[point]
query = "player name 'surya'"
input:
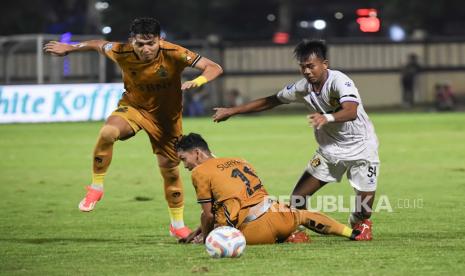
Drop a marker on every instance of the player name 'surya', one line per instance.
(228, 164)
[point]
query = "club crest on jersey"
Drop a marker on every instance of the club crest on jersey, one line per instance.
(334, 102)
(348, 84)
(315, 162)
(185, 56)
(162, 72)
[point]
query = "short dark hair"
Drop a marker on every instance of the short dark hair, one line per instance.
(308, 47)
(191, 141)
(144, 26)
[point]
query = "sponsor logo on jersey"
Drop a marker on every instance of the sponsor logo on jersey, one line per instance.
(153, 87)
(107, 47)
(348, 84)
(289, 87)
(315, 162)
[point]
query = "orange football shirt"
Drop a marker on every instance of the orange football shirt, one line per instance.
(154, 86)
(231, 184)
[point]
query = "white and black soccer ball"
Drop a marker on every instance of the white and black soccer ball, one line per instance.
(225, 242)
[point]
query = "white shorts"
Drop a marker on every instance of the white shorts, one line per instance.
(362, 174)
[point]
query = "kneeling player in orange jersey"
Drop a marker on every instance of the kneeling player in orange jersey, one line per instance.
(232, 194)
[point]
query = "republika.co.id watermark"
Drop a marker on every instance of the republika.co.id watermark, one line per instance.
(354, 203)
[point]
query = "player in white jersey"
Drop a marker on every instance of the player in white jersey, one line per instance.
(346, 136)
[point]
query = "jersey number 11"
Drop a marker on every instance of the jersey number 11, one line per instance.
(242, 175)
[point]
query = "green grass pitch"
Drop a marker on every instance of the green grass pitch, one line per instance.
(44, 168)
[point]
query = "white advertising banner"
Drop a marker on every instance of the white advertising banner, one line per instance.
(58, 103)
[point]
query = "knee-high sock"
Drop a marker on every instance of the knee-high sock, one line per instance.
(103, 152)
(321, 223)
(174, 195)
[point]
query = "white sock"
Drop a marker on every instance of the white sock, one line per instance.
(177, 224)
(97, 187)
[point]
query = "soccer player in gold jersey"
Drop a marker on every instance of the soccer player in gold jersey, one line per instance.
(152, 102)
(232, 194)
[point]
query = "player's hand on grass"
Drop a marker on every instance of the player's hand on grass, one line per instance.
(192, 236)
(317, 120)
(198, 239)
(57, 48)
(221, 114)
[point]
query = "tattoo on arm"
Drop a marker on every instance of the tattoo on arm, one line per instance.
(79, 45)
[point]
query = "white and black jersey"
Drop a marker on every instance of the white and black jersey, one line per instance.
(351, 140)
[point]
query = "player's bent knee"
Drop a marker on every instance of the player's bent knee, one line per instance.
(109, 133)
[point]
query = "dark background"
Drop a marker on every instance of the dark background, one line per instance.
(231, 20)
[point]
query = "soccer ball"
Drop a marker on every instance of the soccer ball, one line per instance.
(225, 241)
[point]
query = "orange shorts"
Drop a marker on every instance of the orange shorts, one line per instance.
(271, 227)
(163, 134)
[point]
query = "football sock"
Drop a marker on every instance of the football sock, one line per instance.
(103, 151)
(176, 217)
(102, 154)
(97, 181)
(173, 187)
(174, 195)
(321, 223)
(347, 232)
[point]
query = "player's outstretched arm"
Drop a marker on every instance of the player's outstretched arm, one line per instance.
(347, 113)
(210, 71)
(222, 113)
(62, 49)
